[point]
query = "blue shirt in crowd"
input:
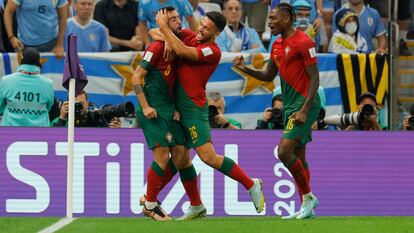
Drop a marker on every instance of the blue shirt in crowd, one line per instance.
(148, 9)
(26, 97)
(93, 37)
(370, 25)
(38, 20)
(248, 36)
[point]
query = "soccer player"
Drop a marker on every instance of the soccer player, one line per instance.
(294, 55)
(199, 57)
(163, 133)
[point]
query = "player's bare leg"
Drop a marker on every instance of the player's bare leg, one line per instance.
(155, 177)
(188, 176)
(286, 153)
(229, 168)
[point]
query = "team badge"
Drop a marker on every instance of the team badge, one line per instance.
(206, 51)
(287, 50)
(168, 136)
(370, 21)
(92, 36)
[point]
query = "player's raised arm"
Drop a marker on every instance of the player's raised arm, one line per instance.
(176, 44)
(266, 75)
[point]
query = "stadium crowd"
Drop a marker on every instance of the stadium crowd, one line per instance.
(347, 26)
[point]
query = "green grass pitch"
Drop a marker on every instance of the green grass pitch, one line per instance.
(216, 225)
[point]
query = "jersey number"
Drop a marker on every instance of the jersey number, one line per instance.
(290, 124)
(193, 133)
(42, 9)
(27, 96)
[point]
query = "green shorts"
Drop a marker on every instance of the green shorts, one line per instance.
(300, 132)
(196, 126)
(161, 132)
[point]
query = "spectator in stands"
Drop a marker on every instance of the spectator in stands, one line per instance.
(316, 13)
(219, 2)
(41, 24)
(236, 37)
(26, 96)
(256, 12)
(82, 98)
(370, 123)
(148, 10)
(92, 35)
(303, 22)
(347, 38)
(217, 106)
(272, 117)
(370, 25)
(198, 11)
(120, 18)
(408, 122)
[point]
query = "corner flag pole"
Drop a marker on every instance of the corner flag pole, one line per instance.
(74, 80)
(71, 139)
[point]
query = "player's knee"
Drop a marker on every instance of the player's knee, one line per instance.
(282, 153)
(207, 159)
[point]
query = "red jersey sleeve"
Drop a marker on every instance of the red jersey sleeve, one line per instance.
(188, 37)
(307, 51)
(208, 53)
(152, 55)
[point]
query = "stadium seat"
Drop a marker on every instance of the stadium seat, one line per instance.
(209, 6)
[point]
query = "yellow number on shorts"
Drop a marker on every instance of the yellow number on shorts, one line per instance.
(290, 124)
(193, 133)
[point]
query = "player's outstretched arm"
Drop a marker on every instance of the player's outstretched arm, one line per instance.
(266, 75)
(176, 44)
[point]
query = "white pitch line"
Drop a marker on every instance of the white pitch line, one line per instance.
(58, 225)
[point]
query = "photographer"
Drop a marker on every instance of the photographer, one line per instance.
(369, 120)
(272, 117)
(216, 107)
(408, 122)
(81, 109)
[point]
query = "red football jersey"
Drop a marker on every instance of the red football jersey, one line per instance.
(193, 76)
(291, 56)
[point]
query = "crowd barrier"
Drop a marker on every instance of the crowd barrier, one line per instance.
(353, 173)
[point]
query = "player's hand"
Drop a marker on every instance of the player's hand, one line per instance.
(16, 43)
(317, 25)
(176, 116)
(299, 117)
(59, 52)
(239, 61)
(168, 52)
(64, 109)
(267, 114)
(149, 112)
(381, 51)
(115, 123)
(162, 18)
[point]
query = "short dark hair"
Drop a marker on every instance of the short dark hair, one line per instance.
(218, 19)
(168, 8)
(278, 98)
(367, 95)
(287, 8)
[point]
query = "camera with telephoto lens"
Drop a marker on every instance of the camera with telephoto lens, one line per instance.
(101, 117)
(353, 118)
(212, 113)
(277, 118)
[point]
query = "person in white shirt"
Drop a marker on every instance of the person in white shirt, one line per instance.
(347, 38)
